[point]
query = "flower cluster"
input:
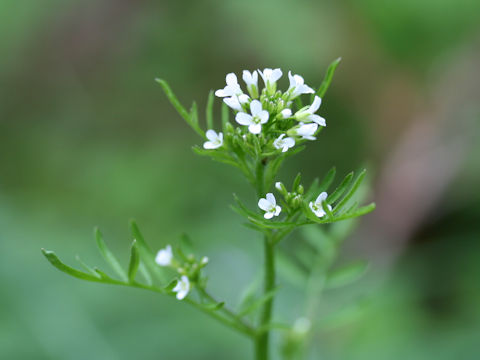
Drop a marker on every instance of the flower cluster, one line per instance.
(189, 271)
(274, 116)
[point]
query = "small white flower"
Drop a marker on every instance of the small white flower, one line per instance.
(269, 205)
(215, 140)
(297, 86)
(236, 101)
(204, 261)
(284, 144)
(285, 113)
(278, 186)
(270, 78)
(308, 114)
(306, 131)
(164, 256)
(254, 121)
(317, 206)
(232, 87)
(182, 288)
(251, 79)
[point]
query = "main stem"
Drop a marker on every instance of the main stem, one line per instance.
(263, 337)
(262, 340)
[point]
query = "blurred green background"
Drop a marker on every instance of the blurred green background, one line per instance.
(87, 138)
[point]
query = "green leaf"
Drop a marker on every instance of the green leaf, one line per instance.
(179, 107)
(258, 303)
(346, 274)
(146, 254)
(55, 261)
(327, 79)
(344, 316)
(169, 287)
(146, 275)
(86, 267)
(194, 115)
(214, 306)
(108, 255)
(134, 261)
(351, 192)
(209, 110)
(340, 189)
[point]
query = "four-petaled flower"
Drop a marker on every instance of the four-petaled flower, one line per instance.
(251, 79)
(232, 87)
(182, 288)
(164, 256)
(317, 206)
(270, 78)
(269, 205)
(284, 144)
(308, 114)
(297, 86)
(215, 140)
(306, 131)
(254, 121)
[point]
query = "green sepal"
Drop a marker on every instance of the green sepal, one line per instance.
(108, 255)
(134, 262)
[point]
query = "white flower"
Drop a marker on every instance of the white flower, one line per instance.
(306, 131)
(317, 207)
(182, 288)
(215, 140)
(232, 87)
(297, 86)
(251, 79)
(269, 204)
(270, 78)
(308, 114)
(204, 260)
(284, 144)
(236, 101)
(285, 113)
(164, 256)
(254, 121)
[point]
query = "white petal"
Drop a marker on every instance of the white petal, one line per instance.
(231, 79)
(255, 107)
(264, 204)
(255, 128)
(292, 80)
(243, 98)
(211, 135)
(164, 256)
(290, 142)
(322, 197)
(263, 115)
(221, 93)
(243, 118)
(286, 113)
(271, 199)
(307, 89)
(317, 119)
(278, 185)
(298, 80)
(315, 105)
(278, 209)
(276, 74)
(268, 215)
(233, 103)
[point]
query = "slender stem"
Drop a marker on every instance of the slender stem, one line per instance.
(262, 340)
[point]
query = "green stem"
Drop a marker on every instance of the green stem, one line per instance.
(262, 340)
